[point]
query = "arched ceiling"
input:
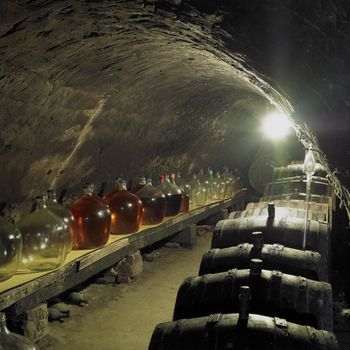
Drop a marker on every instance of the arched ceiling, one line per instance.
(91, 90)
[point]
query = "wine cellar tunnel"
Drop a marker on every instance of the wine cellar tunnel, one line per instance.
(96, 90)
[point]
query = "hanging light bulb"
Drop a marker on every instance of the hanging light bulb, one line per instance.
(276, 125)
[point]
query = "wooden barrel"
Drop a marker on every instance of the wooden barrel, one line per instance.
(296, 169)
(274, 293)
(274, 256)
(291, 208)
(288, 231)
(295, 188)
(223, 332)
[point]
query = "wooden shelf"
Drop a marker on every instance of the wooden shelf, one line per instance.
(26, 290)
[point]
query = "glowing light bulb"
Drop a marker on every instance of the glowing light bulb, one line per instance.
(276, 125)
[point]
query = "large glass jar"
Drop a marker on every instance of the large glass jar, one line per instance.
(64, 214)
(204, 179)
(183, 184)
(198, 192)
(126, 210)
(44, 238)
(215, 186)
(10, 249)
(93, 220)
(222, 186)
(173, 196)
(154, 204)
(12, 341)
(229, 180)
(185, 192)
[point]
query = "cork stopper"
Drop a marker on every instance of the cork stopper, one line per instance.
(258, 239)
(271, 210)
(244, 301)
(255, 267)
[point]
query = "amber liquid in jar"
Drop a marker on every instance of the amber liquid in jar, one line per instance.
(173, 196)
(93, 221)
(154, 210)
(126, 212)
(185, 202)
(173, 204)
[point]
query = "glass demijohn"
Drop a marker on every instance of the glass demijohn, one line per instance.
(64, 214)
(126, 210)
(44, 238)
(185, 192)
(10, 249)
(93, 220)
(154, 204)
(198, 192)
(173, 196)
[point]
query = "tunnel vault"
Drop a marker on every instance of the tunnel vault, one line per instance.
(91, 90)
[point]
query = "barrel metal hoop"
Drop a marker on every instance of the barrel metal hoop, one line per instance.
(276, 249)
(242, 249)
(176, 333)
(229, 284)
(211, 253)
(302, 304)
(202, 286)
(187, 281)
(316, 341)
(281, 325)
(213, 319)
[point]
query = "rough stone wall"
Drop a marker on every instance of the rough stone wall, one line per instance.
(91, 90)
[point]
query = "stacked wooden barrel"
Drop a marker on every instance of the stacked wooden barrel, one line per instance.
(262, 286)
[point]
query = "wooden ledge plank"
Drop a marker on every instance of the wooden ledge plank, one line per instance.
(82, 265)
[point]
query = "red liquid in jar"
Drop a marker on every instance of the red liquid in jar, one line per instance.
(126, 212)
(93, 221)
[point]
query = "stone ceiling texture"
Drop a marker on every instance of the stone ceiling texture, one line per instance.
(91, 90)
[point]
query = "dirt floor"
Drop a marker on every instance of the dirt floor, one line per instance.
(124, 316)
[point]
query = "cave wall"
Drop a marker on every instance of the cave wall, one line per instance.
(91, 90)
(303, 48)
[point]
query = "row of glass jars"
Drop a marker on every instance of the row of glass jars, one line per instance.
(45, 237)
(210, 186)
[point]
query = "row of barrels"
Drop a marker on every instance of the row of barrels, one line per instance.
(257, 288)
